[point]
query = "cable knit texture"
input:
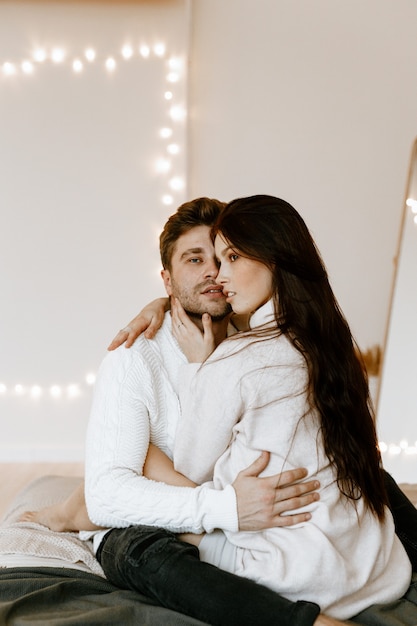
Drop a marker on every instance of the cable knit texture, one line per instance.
(251, 395)
(135, 401)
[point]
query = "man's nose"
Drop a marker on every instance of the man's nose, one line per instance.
(212, 270)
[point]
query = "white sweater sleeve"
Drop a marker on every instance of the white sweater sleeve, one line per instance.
(117, 494)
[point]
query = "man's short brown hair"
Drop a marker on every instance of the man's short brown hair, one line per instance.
(198, 212)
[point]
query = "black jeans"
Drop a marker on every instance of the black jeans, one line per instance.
(155, 563)
(405, 518)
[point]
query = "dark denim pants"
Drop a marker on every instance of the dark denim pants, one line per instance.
(405, 518)
(155, 563)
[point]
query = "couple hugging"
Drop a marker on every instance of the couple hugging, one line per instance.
(232, 467)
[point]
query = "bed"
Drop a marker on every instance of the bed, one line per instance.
(52, 579)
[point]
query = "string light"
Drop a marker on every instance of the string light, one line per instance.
(397, 449)
(127, 52)
(27, 67)
(77, 66)
(90, 54)
(144, 51)
(164, 165)
(58, 55)
(73, 390)
(159, 49)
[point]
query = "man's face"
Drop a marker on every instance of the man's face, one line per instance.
(192, 278)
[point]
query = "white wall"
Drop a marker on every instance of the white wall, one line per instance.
(314, 101)
(80, 200)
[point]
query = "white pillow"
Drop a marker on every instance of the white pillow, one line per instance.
(26, 544)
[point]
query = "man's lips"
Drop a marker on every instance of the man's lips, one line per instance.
(214, 291)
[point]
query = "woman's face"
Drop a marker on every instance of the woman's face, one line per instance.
(246, 283)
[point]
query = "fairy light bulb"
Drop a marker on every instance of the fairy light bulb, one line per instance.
(173, 77)
(9, 68)
(90, 54)
(73, 391)
(90, 378)
(55, 391)
(127, 52)
(39, 55)
(27, 67)
(176, 183)
(165, 133)
(173, 148)
(167, 199)
(144, 51)
(159, 49)
(177, 113)
(36, 391)
(110, 64)
(58, 55)
(77, 66)
(162, 166)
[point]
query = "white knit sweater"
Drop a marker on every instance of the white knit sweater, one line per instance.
(251, 396)
(135, 401)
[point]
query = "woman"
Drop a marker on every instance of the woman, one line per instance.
(292, 385)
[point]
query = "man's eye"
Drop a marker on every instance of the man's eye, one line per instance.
(194, 260)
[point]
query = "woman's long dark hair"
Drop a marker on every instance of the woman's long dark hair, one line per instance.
(271, 231)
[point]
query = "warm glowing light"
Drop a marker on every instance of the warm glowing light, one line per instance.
(77, 66)
(90, 54)
(39, 55)
(90, 379)
(127, 52)
(55, 391)
(58, 55)
(159, 49)
(175, 63)
(19, 389)
(36, 391)
(144, 51)
(27, 67)
(176, 183)
(110, 64)
(173, 77)
(168, 95)
(173, 148)
(9, 68)
(3, 388)
(163, 166)
(165, 132)
(177, 113)
(73, 391)
(167, 199)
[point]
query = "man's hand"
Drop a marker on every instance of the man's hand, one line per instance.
(149, 321)
(261, 502)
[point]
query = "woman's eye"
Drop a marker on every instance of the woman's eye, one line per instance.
(233, 257)
(194, 260)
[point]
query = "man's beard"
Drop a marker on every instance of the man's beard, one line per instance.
(214, 318)
(195, 309)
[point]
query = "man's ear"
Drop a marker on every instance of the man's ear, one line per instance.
(166, 277)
